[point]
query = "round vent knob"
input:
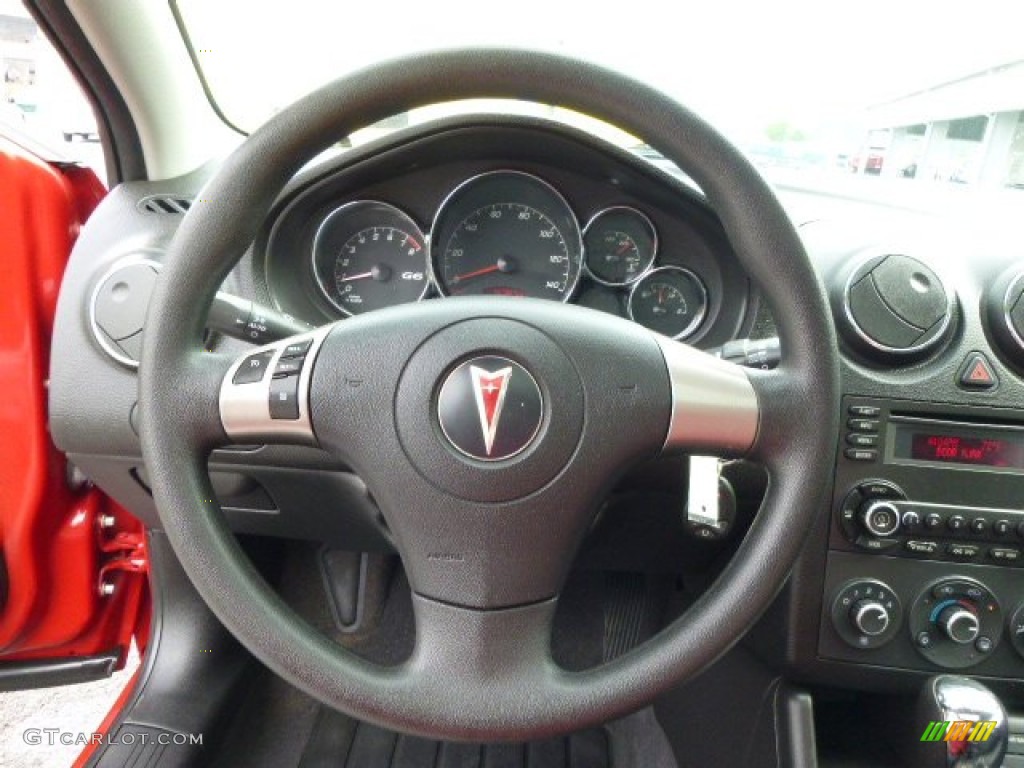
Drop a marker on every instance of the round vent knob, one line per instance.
(1004, 309)
(894, 308)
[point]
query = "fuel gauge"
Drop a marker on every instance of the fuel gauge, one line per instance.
(669, 300)
(620, 245)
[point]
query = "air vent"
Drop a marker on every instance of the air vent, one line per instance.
(893, 308)
(1004, 309)
(165, 204)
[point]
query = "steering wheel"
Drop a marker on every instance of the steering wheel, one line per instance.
(487, 429)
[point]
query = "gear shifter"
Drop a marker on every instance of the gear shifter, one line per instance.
(959, 709)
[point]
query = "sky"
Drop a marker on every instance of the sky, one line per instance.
(740, 64)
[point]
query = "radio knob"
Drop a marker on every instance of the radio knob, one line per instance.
(869, 617)
(960, 625)
(880, 518)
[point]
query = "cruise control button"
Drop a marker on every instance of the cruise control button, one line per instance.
(284, 398)
(864, 411)
(252, 368)
(862, 441)
(1004, 554)
(922, 547)
(297, 348)
(287, 367)
(863, 425)
(861, 454)
(962, 551)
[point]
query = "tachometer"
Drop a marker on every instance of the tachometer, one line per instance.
(368, 255)
(506, 233)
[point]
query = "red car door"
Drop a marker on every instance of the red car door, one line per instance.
(73, 589)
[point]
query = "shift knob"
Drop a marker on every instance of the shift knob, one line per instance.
(960, 724)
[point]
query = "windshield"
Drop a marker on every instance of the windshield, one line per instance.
(901, 90)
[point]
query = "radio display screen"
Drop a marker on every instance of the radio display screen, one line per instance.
(965, 445)
(987, 451)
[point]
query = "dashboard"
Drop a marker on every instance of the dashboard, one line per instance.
(914, 567)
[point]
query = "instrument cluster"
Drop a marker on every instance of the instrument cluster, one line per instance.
(506, 233)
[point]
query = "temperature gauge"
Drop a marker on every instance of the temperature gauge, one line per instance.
(620, 245)
(669, 300)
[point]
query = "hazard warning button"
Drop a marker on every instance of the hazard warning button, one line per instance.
(977, 373)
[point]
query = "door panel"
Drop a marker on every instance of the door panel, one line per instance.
(61, 540)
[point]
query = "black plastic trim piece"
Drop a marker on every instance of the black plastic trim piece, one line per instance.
(46, 673)
(118, 134)
(192, 666)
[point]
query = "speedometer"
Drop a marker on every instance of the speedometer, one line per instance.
(506, 233)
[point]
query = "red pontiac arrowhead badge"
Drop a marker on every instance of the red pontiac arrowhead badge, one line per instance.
(489, 390)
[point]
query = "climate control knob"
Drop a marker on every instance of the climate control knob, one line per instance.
(866, 613)
(956, 622)
(870, 617)
(880, 518)
(960, 624)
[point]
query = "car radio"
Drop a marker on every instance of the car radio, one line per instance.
(930, 481)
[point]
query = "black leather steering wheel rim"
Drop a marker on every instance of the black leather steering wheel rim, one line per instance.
(181, 422)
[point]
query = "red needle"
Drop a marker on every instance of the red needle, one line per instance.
(476, 273)
(623, 248)
(360, 276)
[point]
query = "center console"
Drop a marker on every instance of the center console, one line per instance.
(925, 569)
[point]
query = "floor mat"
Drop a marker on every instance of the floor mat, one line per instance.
(340, 742)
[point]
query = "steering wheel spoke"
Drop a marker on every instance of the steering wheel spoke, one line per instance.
(715, 408)
(264, 394)
(499, 652)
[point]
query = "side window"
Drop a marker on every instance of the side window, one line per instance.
(39, 100)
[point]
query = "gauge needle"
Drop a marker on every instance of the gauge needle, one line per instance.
(623, 248)
(476, 273)
(360, 276)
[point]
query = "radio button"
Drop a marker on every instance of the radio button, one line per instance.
(956, 523)
(861, 454)
(1020, 530)
(876, 545)
(932, 521)
(922, 547)
(881, 518)
(862, 441)
(1002, 527)
(911, 519)
(962, 551)
(864, 411)
(863, 425)
(979, 525)
(1004, 554)
(879, 489)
